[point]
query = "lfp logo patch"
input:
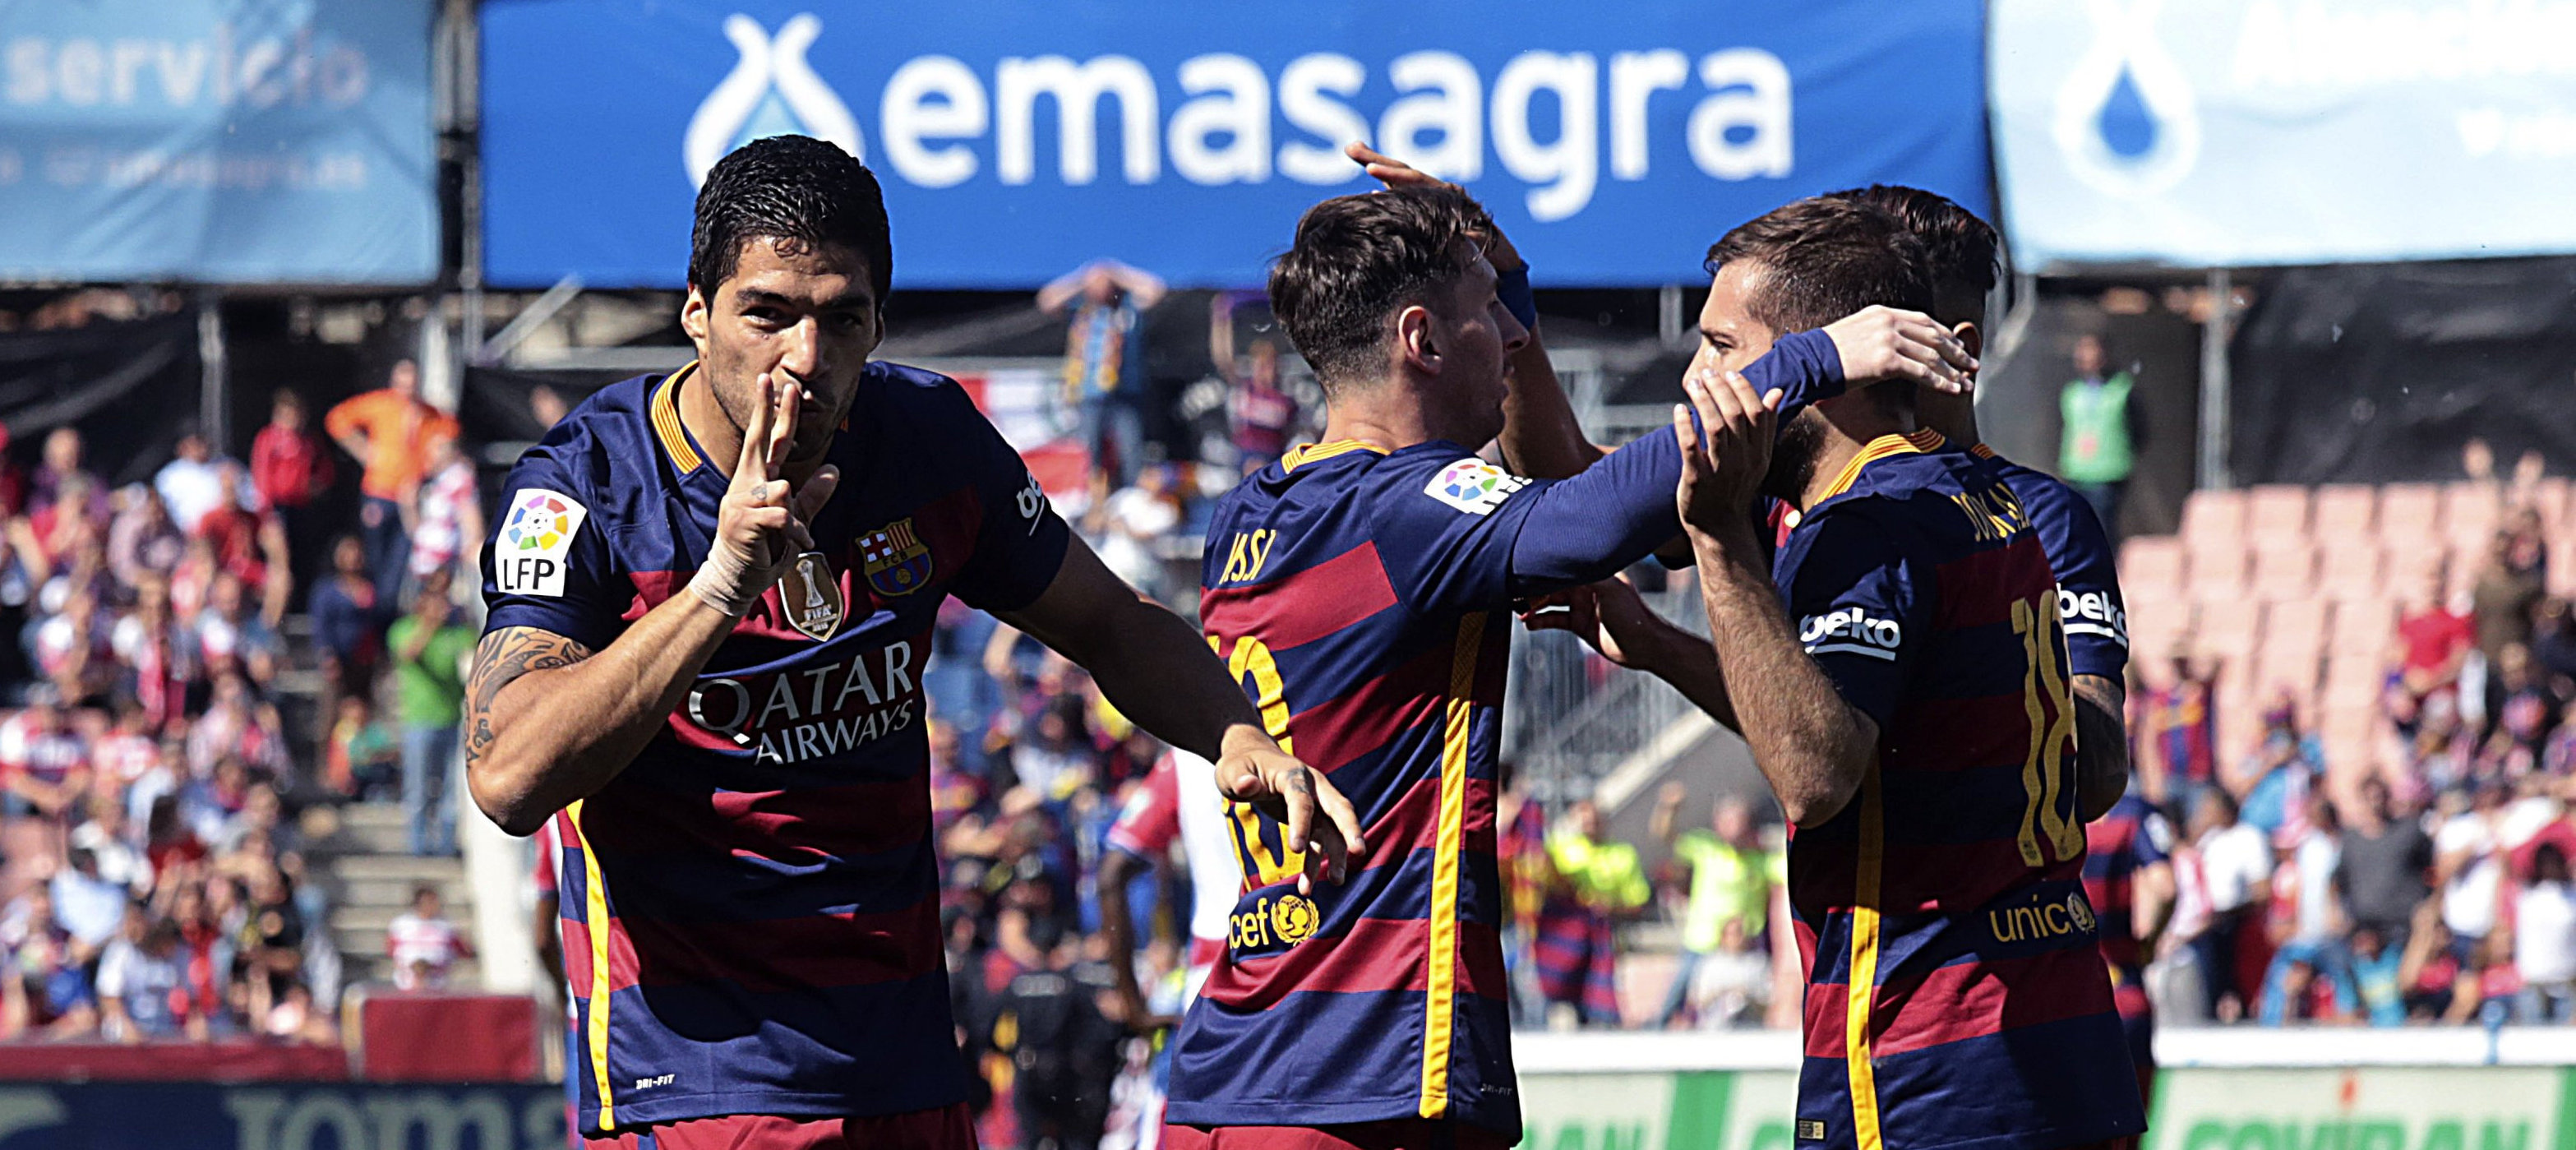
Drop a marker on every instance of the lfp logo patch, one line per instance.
(535, 539)
(1473, 486)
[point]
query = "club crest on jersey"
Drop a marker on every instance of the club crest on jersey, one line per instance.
(1473, 486)
(811, 598)
(896, 562)
(535, 540)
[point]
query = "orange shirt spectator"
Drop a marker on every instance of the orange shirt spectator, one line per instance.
(389, 431)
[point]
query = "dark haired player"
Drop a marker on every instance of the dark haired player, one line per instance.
(711, 597)
(1362, 591)
(1898, 672)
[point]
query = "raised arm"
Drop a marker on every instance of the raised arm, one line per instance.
(549, 721)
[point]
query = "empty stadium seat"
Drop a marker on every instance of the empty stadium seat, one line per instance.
(2214, 514)
(2352, 680)
(2216, 567)
(2362, 627)
(2276, 511)
(2469, 514)
(2556, 499)
(2344, 511)
(2408, 511)
(2562, 562)
(2229, 627)
(2351, 568)
(2150, 565)
(2284, 571)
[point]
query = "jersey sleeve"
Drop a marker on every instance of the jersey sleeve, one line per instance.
(1151, 819)
(2095, 617)
(1804, 366)
(548, 563)
(1859, 602)
(1467, 536)
(1020, 543)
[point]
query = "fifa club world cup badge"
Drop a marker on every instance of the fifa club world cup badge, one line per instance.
(811, 597)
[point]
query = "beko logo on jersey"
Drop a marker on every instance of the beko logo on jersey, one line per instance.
(2093, 613)
(815, 712)
(1032, 499)
(528, 556)
(1851, 631)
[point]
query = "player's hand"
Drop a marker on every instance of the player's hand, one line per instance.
(1722, 477)
(1881, 343)
(1254, 770)
(1611, 618)
(761, 524)
(1396, 173)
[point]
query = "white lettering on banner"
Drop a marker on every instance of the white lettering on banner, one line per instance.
(221, 69)
(1077, 89)
(2311, 45)
(419, 1119)
(936, 111)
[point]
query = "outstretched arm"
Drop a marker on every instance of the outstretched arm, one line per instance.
(1158, 672)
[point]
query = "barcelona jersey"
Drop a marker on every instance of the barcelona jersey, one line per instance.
(1956, 998)
(2093, 614)
(750, 910)
(2132, 837)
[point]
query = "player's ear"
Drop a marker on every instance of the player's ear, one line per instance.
(1414, 343)
(1971, 337)
(693, 318)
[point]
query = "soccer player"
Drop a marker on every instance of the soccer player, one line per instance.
(1899, 675)
(2129, 879)
(1178, 803)
(711, 595)
(1362, 591)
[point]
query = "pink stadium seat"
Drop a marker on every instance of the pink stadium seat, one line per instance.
(2469, 514)
(2344, 511)
(2351, 568)
(2151, 562)
(2284, 571)
(2217, 566)
(2562, 562)
(2352, 680)
(2408, 511)
(2276, 511)
(2556, 499)
(2214, 515)
(2362, 627)
(2156, 628)
(2229, 627)
(2349, 735)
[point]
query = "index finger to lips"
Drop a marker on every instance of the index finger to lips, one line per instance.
(782, 436)
(755, 436)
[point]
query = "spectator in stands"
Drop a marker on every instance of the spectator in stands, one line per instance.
(429, 647)
(348, 625)
(88, 904)
(1127, 527)
(2544, 938)
(2381, 864)
(1104, 361)
(2553, 643)
(2376, 969)
(447, 518)
(229, 639)
(1731, 879)
(62, 462)
(143, 542)
(48, 988)
(1261, 415)
(103, 835)
(152, 655)
(142, 983)
(2529, 708)
(424, 945)
(2434, 646)
(249, 545)
(2235, 869)
(43, 762)
(2507, 588)
(73, 651)
(2271, 785)
(389, 431)
(192, 483)
(289, 467)
(363, 758)
(2304, 920)
(2105, 429)
(2181, 723)
(1577, 944)
(2468, 867)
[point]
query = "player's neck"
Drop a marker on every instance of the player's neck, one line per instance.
(1954, 416)
(1392, 426)
(1844, 440)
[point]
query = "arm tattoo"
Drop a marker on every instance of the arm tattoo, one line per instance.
(499, 660)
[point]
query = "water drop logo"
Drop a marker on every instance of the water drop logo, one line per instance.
(770, 92)
(2127, 122)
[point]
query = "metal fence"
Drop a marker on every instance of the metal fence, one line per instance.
(1571, 717)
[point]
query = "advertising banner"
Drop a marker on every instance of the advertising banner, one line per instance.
(200, 1116)
(217, 141)
(1017, 139)
(2208, 133)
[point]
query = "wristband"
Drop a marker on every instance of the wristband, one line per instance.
(709, 585)
(1514, 288)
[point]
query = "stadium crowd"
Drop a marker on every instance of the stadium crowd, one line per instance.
(161, 802)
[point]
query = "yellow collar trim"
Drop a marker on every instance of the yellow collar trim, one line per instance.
(1878, 449)
(666, 421)
(1305, 453)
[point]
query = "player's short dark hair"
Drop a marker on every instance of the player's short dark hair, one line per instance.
(1960, 246)
(1824, 258)
(793, 188)
(1359, 259)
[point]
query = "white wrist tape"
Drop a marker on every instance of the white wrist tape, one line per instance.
(721, 582)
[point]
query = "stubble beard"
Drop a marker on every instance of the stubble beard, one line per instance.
(1793, 457)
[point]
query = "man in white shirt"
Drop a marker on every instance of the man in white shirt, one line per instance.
(2544, 939)
(2235, 866)
(423, 944)
(2468, 869)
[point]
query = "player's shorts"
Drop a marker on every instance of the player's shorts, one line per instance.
(1394, 1134)
(947, 1128)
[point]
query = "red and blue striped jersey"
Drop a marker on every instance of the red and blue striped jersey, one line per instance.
(2092, 611)
(1955, 998)
(2131, 838)
(750, 910)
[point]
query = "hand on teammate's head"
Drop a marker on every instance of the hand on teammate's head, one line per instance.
(1882, 343)
(1725, 436)
(1395, 173)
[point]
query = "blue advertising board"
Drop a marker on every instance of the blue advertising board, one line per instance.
(1613, 139)
(217, 141)
(280, 1116)
(2216, 133)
